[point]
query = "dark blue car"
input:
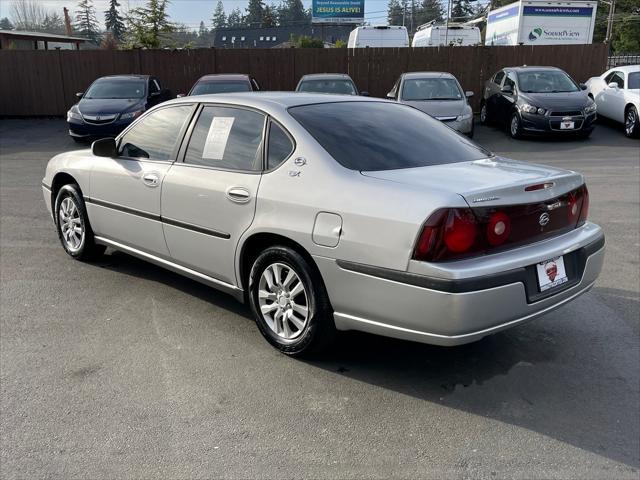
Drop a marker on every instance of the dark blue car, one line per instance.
(111, 103)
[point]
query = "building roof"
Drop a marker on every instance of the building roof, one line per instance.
(42, 36)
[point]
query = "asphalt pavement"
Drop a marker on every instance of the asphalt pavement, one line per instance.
(121, 369)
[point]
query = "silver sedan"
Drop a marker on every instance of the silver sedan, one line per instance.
(330, 213)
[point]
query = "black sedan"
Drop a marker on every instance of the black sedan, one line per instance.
(537, 100)
(111, 103)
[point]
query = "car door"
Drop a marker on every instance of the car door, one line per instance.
(209, 197)
(492, 92)
(506, 100)
(124, 203)
(611, 102)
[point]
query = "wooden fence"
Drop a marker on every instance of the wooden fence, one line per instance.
(42, 83)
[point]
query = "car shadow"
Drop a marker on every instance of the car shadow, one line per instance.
(520, 377)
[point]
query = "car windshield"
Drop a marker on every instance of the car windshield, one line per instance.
(342, 87)
(204, 88)
(369, 136)
(116, 88)
(551, 81)
(634, 81)
(416, 89)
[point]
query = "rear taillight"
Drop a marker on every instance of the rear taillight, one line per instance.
(453, 233)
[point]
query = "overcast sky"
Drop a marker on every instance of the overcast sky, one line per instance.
(191, 12)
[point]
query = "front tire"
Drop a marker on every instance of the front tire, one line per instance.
(515, 126)
(289, 302)
(72, 224)
(632, 123)
(484, 113)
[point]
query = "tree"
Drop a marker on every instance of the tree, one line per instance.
(109, 41)
(394, 12)
(219, 19)
(113, 21)
(27, 15)
(430, 10)
(53, 23)
(303, 41)
(86, 23)
(235, 18)
(255, 12)
(292, 12)
(149, 26)
(269, 17)
(5, 24)
(461, 10)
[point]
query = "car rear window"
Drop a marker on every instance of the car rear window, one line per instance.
(370, 136)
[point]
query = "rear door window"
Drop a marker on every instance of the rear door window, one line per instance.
(279, 146)
(497, 79)
(370, 136)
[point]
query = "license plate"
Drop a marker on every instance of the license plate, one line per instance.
(551, 273)
(567, 125)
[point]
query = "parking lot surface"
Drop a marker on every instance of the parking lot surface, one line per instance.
(121, 369)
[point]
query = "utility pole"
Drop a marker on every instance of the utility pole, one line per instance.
(446, 32)
(612, 9)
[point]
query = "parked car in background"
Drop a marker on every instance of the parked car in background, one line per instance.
(335, 83)
(537, 100)
(439, 94)
(424, 236)
(223, 83)
(432, 35)
(378, 36)
(111, 103)
(617, 96)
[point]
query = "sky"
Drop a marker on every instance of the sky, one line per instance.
(191, 12)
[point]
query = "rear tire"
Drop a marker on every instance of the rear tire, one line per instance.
(484, 113)
(515, 126)
(72, 224)
(631, 123)
(289, 302)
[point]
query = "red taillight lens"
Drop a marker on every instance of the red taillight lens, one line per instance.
(498, 229)
(584, 210)
(460, 230)
(573, 207)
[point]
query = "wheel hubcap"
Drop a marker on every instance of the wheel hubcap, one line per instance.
(71, 224)
(514, 126)
(283, 301)
(483, 113)
(631, 121)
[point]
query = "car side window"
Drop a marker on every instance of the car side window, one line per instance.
(228, 138)
(510, 81)
(153, 86)
(256, 85)
(279, 146)
(497, 79)
(156, 135)
(608, 78)
(617, 79)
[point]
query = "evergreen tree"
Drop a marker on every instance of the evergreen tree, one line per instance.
(53, 23)
(86, 23)
(269, 17)
(394, 12)
(113, 21)
(430, 10)
(255, 12)
(460, 10)
(5, 24)
(202, 30)
(235, 18)
(292, 12)
(149, 25)
(219, 19)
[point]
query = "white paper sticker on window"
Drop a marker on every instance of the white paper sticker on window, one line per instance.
(217, 138)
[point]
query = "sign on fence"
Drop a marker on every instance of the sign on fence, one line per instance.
(337, 11)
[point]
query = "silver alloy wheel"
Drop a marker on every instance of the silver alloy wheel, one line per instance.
(630, 123)
(71, 224)
(483, 113)
(283, 301)
(515, 125)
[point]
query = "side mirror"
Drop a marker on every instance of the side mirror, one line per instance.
(180, 95)
(391, 96)
(364, 94)
(468, 94)
(508, 89)
(613, 85)
(583, 86)
(105, 147)
(79, 95)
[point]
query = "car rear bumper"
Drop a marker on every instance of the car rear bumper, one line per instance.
(542, 124)
(445, 311)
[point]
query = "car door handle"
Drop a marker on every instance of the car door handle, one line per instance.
(150, 179)
(238, 195)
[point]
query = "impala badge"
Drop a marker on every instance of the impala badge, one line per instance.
(544, 219)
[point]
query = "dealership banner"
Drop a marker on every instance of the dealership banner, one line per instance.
(337, 11)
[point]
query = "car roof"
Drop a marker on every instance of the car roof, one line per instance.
(428, 75)
(222, 77)
(525, 68)
(273, 101)
(625, 69)
(326, 76)
(126, 77)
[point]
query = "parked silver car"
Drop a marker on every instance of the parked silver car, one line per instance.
(332, 212)
(439, 94)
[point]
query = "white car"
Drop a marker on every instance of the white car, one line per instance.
(617, 96)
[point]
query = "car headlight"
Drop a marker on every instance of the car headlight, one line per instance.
(464, 116)
(75, 115)
(590, 108)
(130, 115)
(532, 109)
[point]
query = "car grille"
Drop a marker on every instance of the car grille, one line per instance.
(99, 119)
(569, 113)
